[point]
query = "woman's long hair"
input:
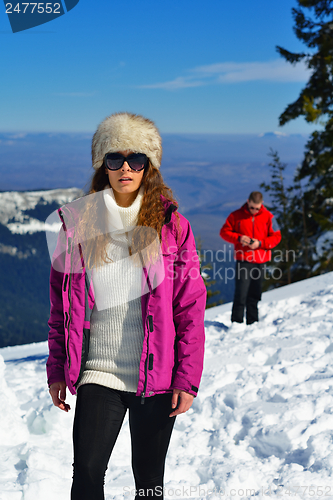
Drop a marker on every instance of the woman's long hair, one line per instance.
(92, 227)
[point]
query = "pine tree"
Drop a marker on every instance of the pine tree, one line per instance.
(281, 206)
(300, 226)
(314, 27)
(292, 257)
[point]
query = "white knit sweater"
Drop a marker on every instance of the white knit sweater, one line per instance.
(116, 331)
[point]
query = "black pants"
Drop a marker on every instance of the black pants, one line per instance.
(99, 414)
(248, 281)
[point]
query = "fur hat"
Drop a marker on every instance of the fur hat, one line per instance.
(126, 132)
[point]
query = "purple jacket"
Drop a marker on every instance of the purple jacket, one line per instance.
(172, 313)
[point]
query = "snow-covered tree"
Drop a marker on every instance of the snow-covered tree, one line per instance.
(314, 27)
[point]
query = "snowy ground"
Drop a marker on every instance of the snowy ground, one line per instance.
(261, 426)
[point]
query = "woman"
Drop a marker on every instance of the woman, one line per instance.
(127, 309)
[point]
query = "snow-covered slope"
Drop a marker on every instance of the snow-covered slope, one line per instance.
(14, 204)
(261, 426)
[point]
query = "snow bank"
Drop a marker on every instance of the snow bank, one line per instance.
(261, 426)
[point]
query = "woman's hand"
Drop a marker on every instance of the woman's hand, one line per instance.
(185, 403)
(58, 395)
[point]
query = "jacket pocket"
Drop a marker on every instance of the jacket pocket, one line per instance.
(151, 361)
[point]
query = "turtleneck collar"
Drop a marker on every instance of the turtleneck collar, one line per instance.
(122, 218)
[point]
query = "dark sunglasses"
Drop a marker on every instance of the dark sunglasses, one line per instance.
(254, 208)
(137, 161)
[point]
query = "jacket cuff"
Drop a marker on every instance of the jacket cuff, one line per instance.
(58, 376)
(184, 385)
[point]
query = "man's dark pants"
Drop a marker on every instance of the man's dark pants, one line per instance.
(248, 281)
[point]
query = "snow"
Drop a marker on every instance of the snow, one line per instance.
(14, 251)
(14, 203)
(261, 426)
(324, 243)
(32, 226)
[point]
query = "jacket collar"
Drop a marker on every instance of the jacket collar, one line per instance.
(169, 209)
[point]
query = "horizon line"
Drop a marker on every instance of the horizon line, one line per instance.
(19, 134)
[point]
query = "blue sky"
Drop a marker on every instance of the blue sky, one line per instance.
(192, 67)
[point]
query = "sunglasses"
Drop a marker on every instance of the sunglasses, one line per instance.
(137, 161)
(254, 208)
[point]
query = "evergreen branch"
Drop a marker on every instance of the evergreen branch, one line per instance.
(291, 57)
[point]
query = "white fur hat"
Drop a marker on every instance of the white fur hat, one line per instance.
(126, 132)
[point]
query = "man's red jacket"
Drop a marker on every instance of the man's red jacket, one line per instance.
(258, 227)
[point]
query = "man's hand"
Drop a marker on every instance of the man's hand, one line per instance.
(255, 244)
(185, 403)
(245, 240)
(58, 395)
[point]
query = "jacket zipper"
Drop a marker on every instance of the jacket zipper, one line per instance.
(150, 329)
(69, 310)
(253, 227)
(150, 324)
(69, 251)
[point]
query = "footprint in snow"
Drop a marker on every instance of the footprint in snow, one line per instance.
(216, 324)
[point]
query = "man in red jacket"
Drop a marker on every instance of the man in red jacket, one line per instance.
(250, 229)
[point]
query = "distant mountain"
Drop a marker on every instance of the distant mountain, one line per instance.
(50, 160)
(25, 263)
(280, 135)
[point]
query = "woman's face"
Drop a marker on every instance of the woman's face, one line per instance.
(125, 182)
